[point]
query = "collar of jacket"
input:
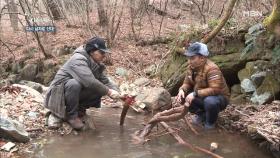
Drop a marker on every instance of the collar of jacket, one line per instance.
(93, 65)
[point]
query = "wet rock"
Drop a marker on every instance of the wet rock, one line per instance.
(142, 81)
(37, 86)
(29, 72)
(155, 99)
(247, 86)
(10, 129)
(258, 78)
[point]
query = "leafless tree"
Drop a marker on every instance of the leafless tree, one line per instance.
(103, 19)
(27, 11)
(12, 8)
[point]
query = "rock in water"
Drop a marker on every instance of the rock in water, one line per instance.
(12, 130)
(155, 99)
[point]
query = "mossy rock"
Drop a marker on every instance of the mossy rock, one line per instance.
(251, 68)
(173, 72)
(270, 84)
(229, 64)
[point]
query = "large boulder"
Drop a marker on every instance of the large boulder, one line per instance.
(155, 99)
(13, 130)
(252, 68)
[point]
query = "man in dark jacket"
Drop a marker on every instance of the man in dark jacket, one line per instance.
(204, 87)
(80, 83)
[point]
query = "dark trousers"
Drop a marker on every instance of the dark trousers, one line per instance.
(208, 107)
(78, 98)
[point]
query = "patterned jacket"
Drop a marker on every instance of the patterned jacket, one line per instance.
(207, 81)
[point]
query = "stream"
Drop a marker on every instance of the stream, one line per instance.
(110, 140)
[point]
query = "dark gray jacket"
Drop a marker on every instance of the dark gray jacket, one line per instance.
(86, 71)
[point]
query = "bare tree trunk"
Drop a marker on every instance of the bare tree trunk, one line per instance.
(54, 8)
(223, 21)
(36, 35)
(103, 19)
(12, 8)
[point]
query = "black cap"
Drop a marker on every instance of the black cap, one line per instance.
(96, 43)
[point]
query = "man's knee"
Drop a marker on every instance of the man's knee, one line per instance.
(211, 103)
(73, 85)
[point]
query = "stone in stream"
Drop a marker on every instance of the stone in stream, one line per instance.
(155, 99)
(13, 130)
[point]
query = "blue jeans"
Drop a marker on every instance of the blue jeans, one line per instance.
(208, 107)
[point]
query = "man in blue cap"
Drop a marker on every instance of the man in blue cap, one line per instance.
(80, 83)
(204, 87)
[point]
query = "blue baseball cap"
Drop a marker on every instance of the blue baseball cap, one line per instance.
(197, 48)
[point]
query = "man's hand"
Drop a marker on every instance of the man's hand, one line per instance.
(190, 98)
(114, 94)
(180, 96)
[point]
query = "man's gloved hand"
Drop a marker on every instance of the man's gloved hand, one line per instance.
(114, 94)
(180, 96)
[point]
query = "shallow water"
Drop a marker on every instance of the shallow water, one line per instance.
(110, 140)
